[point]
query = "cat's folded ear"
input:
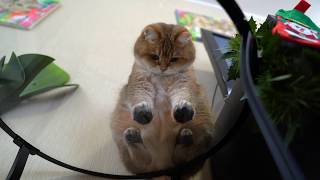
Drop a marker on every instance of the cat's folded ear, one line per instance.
(184, 38)
(150, 34)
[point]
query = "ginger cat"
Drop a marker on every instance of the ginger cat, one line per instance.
(162, 117)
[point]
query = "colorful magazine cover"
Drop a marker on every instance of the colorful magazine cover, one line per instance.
(25, 14)
(194, 22)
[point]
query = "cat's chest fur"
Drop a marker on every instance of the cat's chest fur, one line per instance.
(162, 86)
(162, 121)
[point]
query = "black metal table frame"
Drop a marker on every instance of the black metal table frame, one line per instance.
(283, 159)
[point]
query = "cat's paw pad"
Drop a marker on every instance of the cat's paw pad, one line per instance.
(183, 112)
(142, 113)
(185, 137)
(132, 135)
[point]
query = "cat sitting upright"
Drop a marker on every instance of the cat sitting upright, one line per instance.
(162, 117)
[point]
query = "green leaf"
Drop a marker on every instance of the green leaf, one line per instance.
(13, 71)
(46, 89)
(230, 55)
(2, 63)
(18, 73)
(282, 77)
(244, 97)
(33, 64)
(253, 25)
(50, 76)
(11, 77)
(303, 103)
(290, 133)
(235, 42)
(264, 28)
(297, 80)
(234, 55)
(2, 81)
(234, 71)
(28, 75)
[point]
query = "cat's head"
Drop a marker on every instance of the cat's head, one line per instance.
(164, 49)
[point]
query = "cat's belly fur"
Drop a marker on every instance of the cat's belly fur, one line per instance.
(163, 126)
(159, 135)
(162, 104)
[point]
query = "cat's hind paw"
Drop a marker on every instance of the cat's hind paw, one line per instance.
(183, 112)
(132, 135)
(185, 137)
(142, 113)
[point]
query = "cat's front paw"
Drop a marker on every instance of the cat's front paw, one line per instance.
(142, 113)
(132, 135)
(183, 112)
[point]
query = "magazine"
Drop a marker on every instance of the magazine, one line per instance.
(194, 22)
(25, 14)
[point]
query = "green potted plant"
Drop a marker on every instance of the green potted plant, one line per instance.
(289, 74)
(28, 75)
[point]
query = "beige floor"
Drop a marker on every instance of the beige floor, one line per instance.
(92, 40)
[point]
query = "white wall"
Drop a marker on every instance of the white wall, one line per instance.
(262, 8)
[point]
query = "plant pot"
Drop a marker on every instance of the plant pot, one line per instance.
(296, 161)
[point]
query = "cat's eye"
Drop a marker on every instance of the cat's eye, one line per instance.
(174, 59)
(154, 57)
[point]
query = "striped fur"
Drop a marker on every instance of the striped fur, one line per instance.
(162, 91)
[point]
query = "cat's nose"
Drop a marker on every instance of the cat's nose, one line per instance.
(163, 68)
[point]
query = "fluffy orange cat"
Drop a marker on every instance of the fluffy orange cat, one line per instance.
(162, 117)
